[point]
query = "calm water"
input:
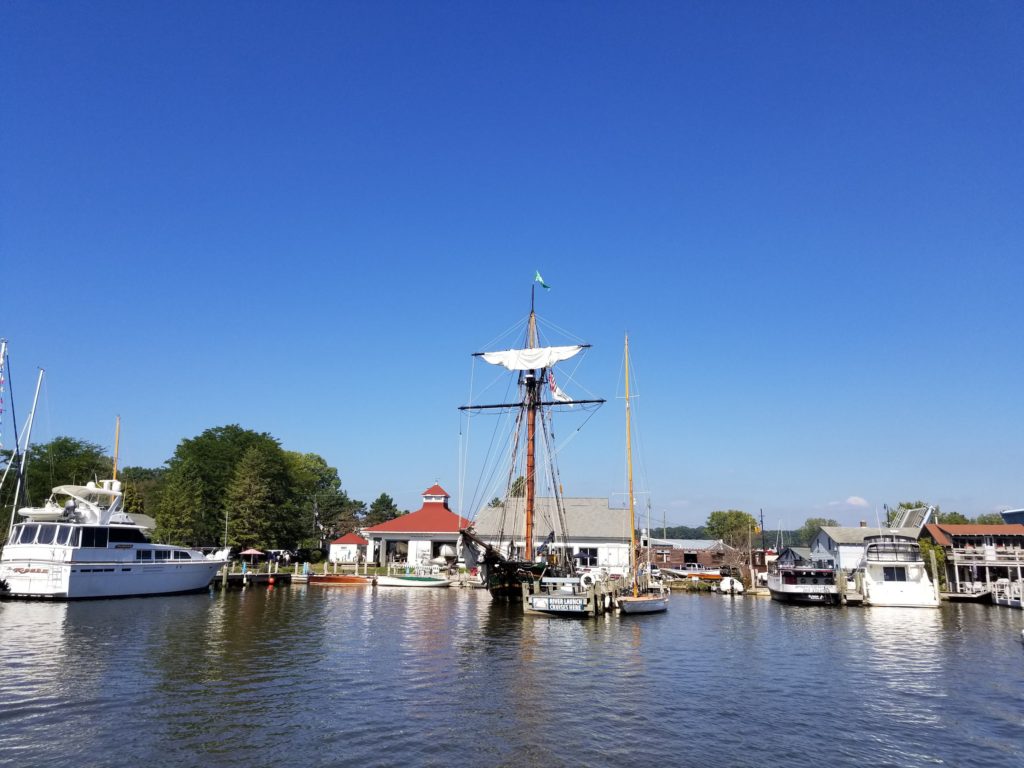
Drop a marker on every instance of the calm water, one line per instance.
(308, 676)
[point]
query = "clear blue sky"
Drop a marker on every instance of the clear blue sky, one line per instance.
(303, 217)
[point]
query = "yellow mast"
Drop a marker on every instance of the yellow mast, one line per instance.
(629, 472)
(117, 438)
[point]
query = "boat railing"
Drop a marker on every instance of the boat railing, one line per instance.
(894, 551)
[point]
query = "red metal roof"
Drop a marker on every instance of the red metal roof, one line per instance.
(943, 533)
(435, 490)
(351, 538)
(432, 517)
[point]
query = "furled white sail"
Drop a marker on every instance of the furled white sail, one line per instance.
(530, 359)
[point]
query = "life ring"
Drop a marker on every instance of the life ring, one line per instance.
(587, 580)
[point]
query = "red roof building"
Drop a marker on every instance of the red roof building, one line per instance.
(980, 560)
(351, 538)
(428, 533)
(350, 548)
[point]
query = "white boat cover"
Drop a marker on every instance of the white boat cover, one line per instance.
(531, 359)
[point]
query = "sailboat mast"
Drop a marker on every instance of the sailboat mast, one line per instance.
(24, 454)
(629, 473)
(532, 390)
(117, 441)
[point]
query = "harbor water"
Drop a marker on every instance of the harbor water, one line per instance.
(311, 676)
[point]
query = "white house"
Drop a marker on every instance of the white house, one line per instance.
(846, 545)
(347, 549)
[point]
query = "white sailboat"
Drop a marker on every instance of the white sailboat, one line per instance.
(646, 597)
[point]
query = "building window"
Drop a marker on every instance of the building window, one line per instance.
(895, 573)
(587, 556)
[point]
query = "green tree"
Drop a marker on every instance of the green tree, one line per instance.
(991, 518)
(732, 526)
(495, 502)
(810, 529)
(216, 454)
(253, 499)
(142, 489)
(518, 487)
(952, 518)
(179, 513)
(324, 510)
(381, 510)
(927, 548)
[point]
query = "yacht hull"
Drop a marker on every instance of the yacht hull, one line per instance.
(84, 581)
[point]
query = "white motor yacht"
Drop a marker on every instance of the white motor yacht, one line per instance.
(893, 574)
(81, 544)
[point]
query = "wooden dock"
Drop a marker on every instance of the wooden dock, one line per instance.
(241, 580)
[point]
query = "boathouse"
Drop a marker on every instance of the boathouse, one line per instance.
(593, 533)
(979, 556)
(350, 548)
(431, 531)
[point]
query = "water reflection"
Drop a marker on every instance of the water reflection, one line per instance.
(316, 676)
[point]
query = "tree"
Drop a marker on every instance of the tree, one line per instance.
(927, 548)
(179, 514)
(991, 518)
(495, 502)
(142, 489)
(216, 453)
(325, 511)
(810, 529)
(731, 526)
(252, 500)
(381, 510)
(952, 518)
(518, 487)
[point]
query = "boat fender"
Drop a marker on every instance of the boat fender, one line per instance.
(607, 601)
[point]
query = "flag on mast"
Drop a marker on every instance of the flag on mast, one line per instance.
(538, 279)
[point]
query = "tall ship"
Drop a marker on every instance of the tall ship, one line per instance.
(524, 564)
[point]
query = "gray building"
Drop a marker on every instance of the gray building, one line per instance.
(594, 533)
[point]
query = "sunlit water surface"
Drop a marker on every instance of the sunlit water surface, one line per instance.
(310, 676)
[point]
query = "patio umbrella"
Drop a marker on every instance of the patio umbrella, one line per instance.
(252, 553)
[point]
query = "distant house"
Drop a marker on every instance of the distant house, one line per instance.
(429, 532)
(594, 534)
(682, 553)
(805, 556)
(979, 555)
(347, 549)
(846, 545)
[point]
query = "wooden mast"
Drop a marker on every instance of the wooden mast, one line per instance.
(117, 439)
(629, 472)
(532, 390)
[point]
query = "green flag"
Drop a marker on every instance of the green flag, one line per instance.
(538, 279)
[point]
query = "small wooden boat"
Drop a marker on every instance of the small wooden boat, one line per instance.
(412, 580)
(341, 580)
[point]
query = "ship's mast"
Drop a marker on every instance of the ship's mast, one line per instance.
(629, 473)
(117, 439)
(532, 390)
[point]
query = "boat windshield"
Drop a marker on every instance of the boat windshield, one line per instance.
(899, 551)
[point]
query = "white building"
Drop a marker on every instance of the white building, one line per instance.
(595, 534)
(846, 545)
(429, 532)
(347, 549)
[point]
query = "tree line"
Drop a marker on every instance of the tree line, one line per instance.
(228, 482)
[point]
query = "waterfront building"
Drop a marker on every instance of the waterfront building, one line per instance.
(707, 554)
(979, 558)
(595, 534)
(431, 531)
(350, 548)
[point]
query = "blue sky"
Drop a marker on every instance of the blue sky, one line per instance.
(303, 218)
